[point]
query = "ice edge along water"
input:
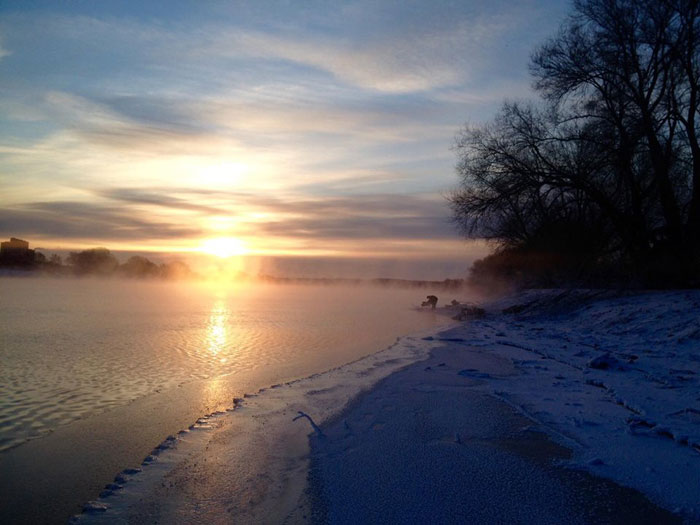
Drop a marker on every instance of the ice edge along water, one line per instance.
(616, 380)
(263, 420)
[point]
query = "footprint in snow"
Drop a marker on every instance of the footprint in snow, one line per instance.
(471, 372)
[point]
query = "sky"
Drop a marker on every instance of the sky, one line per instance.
(275, 130)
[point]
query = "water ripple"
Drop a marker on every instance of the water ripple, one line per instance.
(73, 348)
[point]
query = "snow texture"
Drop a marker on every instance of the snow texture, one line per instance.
(615, 377)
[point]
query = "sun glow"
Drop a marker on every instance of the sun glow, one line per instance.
(224, 247)
(221, 174)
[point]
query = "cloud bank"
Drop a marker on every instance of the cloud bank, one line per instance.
(301, 128)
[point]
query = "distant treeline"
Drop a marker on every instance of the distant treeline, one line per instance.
(446, 284)
(98, 262)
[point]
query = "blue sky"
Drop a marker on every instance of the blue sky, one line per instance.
(319, 129)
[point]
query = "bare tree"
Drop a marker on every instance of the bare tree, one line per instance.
(613, 148)
(632, 65)
(96, 261)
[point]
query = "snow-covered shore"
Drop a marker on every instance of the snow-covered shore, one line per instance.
(613, 377)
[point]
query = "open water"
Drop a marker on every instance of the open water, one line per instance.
(74, 348)
(95, 373)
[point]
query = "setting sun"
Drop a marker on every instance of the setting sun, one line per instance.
(224, 247)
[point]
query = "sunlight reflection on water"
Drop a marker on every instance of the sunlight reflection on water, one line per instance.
(72, 348)
(217, 330)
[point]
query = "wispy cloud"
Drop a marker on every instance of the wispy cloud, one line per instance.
(126, 213)
(98, 123)
(160, 199)
(432, 51)
(315, 125)
(395, 66)
(66, 220)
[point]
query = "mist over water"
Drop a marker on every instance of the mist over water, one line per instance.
(72, 348)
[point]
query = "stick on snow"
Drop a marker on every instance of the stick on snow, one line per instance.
(318, 430)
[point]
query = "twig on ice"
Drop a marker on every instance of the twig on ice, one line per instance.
(316, 428)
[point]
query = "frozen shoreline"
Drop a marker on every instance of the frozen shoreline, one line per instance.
(616, 380)
(427, 446)
(248, 463)
(65, 341)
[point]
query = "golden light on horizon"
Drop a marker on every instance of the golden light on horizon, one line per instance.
(224, 247)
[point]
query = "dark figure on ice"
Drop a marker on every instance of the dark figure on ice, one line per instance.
(431, 301)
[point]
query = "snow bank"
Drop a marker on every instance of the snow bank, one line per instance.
(427, 445)
(615, 377)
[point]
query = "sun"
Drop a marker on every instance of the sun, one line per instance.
(224, 247)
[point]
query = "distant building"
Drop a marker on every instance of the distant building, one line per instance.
(14, 244)
(16, 252)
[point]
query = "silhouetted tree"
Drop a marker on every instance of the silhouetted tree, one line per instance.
(96, 261)
(608, 165)
(176, 270)
(139, 267)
